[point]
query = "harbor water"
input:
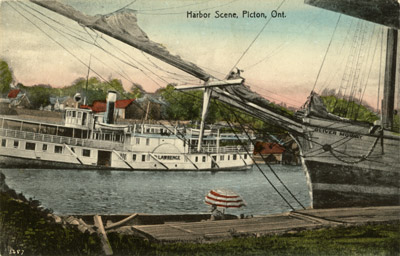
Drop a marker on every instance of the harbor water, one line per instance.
(157, 192)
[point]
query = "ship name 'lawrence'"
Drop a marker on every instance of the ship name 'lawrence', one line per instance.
(168, 157)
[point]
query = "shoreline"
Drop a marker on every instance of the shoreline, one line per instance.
(27, 227)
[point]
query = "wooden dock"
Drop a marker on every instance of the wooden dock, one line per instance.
(209, 231)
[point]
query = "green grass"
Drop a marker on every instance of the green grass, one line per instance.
(26, 227)
(360, 240)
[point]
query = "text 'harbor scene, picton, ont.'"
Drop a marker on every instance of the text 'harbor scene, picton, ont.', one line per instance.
(199, 127)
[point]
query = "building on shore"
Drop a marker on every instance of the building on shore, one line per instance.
(275, 153)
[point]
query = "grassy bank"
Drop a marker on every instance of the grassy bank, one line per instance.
(25, 227)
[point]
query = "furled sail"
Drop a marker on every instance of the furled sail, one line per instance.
(122, 25)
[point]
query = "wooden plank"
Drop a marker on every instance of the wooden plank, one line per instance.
(167, 231)
(231, 232)
(103, 236)
(121, 222)
(218, 225)
(281, 223)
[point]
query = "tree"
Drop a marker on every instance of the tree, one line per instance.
(6, 77)
(182, 106)
(93, 89)
(38, 95)
(349, 109)
(136, 91)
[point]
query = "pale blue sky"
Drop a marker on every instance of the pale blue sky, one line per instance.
(282, 64)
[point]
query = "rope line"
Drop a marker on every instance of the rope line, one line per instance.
(259, 168)
(252, 42)
(361, 159)
(326, 53)
(82, 62)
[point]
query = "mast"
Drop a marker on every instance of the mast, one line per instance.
(390, 79)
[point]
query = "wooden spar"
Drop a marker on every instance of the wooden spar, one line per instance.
(390, 79)
(114, 225)
(211, 84)
(103, 236)
(258, 111)
(206, 101)
(147, 111)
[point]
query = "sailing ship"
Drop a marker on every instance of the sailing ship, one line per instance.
(347, 163)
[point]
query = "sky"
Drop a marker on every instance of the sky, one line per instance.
(282, 59)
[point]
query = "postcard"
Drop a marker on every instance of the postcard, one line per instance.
(187, 126)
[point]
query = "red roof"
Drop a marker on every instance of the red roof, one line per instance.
(123, 103)
(101, 105)
(267, 148)
(13, 93)
(85, 106)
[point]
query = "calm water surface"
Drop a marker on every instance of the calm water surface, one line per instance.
(155, 192)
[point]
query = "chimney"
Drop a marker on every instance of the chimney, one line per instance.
(109, 115)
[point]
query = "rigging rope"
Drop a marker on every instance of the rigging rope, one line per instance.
(126, 6)
(380, 70)
(285, 44)
(174, 13)
(331, 78)
(358, 87)
(258, 167)
(361, 159)
(356, 75)
(252, 42)
(261, 171)
(366, 82)
(173, 7)
(326, 53)
(82, 62)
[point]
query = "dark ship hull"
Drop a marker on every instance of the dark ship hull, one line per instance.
(348, 166)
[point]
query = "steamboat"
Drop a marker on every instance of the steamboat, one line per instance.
(89, 140)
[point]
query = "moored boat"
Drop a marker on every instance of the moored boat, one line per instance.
(88, 141)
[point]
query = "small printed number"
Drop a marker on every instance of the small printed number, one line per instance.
(16, 252)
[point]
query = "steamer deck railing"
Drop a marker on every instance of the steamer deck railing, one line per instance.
(61, 139)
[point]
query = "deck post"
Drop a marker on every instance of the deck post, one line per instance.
(218, 139)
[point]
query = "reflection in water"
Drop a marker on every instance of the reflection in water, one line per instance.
(156, 192)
